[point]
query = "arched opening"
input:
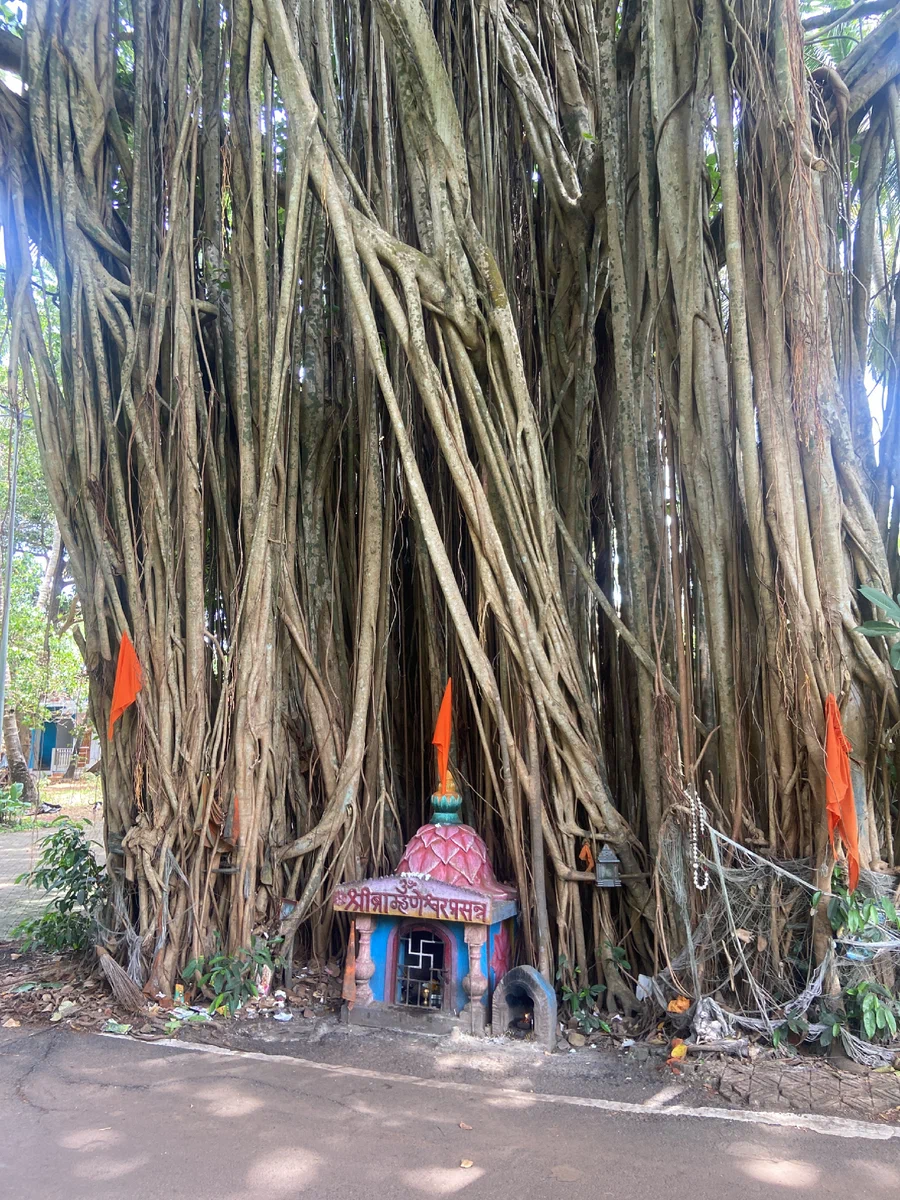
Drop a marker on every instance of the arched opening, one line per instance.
(423, 967)
(520, 1013)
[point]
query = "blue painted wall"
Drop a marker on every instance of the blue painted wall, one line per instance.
(380, 935)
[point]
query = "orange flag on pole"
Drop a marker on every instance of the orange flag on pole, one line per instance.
(839, 802)
(128, 681)
(441, 737)
(348, 989)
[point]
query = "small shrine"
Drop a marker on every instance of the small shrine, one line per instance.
(436, 937)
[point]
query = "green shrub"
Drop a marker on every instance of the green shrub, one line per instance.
(230, 979)
(79, 887)
(12, 809)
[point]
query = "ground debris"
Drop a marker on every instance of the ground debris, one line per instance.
(37, 987)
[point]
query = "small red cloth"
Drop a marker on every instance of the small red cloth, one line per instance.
(839, 800)
(128, 681)
(348, 989)
(441, 739)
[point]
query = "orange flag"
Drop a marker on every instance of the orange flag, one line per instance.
(839, 800)
(128, 681)
(441, 737)
(348, 990)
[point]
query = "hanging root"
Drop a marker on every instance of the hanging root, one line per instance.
(125, 991)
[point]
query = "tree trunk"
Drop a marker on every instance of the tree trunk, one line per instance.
(77, 738)
(513, 342)
(18, 764)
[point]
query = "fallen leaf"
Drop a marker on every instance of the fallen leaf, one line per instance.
(745, 935)
(112, 1026)
(463, 1125)
(467, 1162)
(11, 1023)
(678, 1052)
(679, 1005)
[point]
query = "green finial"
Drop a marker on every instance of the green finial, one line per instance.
(445, 808)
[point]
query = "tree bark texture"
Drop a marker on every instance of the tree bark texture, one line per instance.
(516, 342)
(15, 757)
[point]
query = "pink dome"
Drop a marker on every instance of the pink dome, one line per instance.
(451, 854)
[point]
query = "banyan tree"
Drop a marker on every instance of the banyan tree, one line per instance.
(551, 345)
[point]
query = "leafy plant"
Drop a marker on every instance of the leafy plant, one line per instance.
(12, 809)
(619, 957)
(793, 1024)
(873, 1009)
(853, 914)
(79, 887)
(581, 1001)
(891, 628)
(834, 1023)
(230, 979)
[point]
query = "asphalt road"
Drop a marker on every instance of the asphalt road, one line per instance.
(86, 1116)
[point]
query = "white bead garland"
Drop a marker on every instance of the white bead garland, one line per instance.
(698, 820)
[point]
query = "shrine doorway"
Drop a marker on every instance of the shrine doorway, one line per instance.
(423, 967)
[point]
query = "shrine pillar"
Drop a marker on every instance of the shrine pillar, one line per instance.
(365, 966)
(475, 982)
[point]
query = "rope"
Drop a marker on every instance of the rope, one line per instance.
(756, 901)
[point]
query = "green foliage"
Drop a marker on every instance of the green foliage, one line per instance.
(79, 888)
(11, 16)
(230, 979)
(12, 809)
(872, 1008)
(834, 1023)
(793, 1024)
(855, 915)
(40, 661)
(581, 1001)
(619, 957)
(891, 628)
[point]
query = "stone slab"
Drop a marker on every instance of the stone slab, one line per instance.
(405, 1019)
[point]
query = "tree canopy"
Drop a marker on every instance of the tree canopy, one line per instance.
(43, 656)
